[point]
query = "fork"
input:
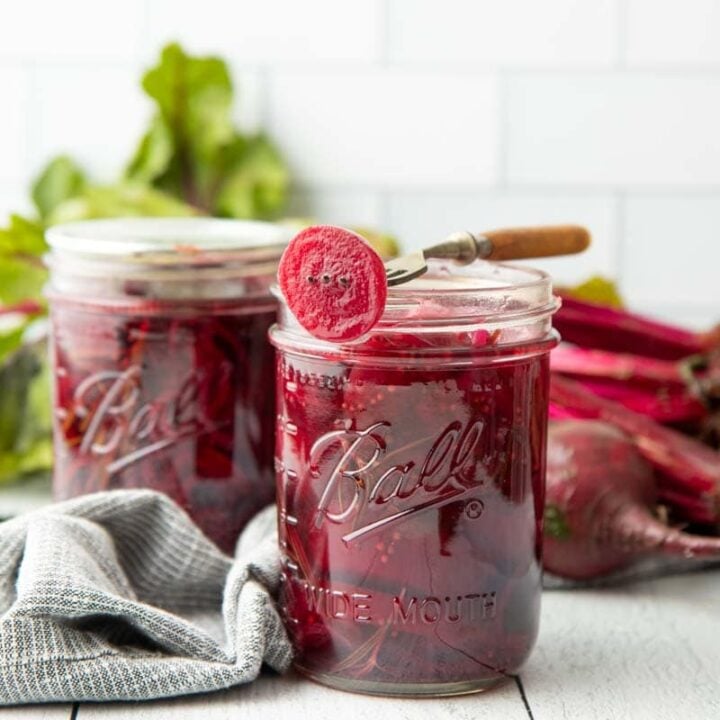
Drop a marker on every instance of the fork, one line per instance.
(508, 244)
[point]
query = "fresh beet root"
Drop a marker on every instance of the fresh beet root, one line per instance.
(685, 463)
(599, 503)
(334, 282)
(605, 328)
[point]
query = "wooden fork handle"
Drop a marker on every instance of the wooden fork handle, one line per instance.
(534, 242)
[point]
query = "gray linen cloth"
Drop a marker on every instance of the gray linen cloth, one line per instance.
(118, 596)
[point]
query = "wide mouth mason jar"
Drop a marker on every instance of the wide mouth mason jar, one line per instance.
(410, 467)
(162, 368)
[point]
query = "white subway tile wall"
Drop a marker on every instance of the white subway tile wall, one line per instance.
(94, 113)
(387, 128)
(503, 33)
(420, 116)
(673, 33)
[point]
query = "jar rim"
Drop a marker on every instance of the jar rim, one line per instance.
(164, 259)
(451, 300)
(188, 240)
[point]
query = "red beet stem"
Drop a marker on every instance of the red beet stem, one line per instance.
(558, 412)
(689, 508)
(605, 328)
(636, 531)
(660, 404)
(621, 367)
(25, 307)
(689, 462)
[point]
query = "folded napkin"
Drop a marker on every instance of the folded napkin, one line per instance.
(118, 596)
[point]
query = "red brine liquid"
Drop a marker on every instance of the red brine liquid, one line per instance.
(162, 368)
(410, 475)
(176, 397)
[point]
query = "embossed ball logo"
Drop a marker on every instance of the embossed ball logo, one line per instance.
(367, 492)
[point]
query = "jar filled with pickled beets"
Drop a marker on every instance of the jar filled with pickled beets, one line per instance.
(410, 467)
(163, 373)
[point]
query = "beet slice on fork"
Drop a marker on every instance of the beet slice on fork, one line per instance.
(334, 282)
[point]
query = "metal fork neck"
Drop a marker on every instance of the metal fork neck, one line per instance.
(463, 247)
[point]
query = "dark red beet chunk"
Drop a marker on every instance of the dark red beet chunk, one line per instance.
(334, 282)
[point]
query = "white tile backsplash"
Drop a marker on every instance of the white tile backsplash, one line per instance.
(14, 124)
(13, 199)
(78, 30)
(332, 206)
(387, 128)
(270, 31)
(504, 33)
(96, 114)
(419, 116)
(669, 33)
(670, 257)
(614, 129)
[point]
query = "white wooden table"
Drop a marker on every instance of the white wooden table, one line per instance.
(647, 651)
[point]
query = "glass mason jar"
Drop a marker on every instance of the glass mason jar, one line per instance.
(410, 468)
(163, 372)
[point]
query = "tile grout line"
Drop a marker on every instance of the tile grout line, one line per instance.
(75, 711)
(523, 696)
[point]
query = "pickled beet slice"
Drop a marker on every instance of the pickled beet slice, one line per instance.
(334, 282)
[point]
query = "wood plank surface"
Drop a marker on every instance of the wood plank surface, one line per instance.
(37, 712)
(293, 698)
(646, 651)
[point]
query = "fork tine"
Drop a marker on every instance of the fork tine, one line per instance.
(405, 275)
(405, 268)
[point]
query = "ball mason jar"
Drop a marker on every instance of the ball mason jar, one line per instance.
(410, 468)
(163, 373)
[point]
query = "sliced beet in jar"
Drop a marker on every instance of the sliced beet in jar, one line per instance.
(410, 470)
(163, 372)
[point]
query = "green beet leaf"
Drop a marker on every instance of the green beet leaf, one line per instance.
(22, 238)
(194, 100)
(256, 180)
(193, 151)
(60, 180)
(153, 155)
(599, 290)
(123, 200)
(25, 444)
(20, 278)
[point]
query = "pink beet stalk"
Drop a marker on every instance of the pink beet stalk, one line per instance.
(660, 389)
(25, 307)
(688, 462)
(597, 326)
(663, 406)
(689, 508)
(621, 367)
